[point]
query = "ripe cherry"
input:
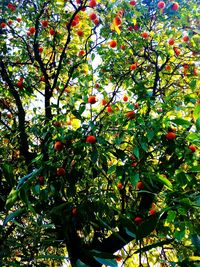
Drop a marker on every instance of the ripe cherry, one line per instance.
(91, 139)
(138, 220)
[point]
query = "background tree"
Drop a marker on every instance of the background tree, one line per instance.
(100, 122)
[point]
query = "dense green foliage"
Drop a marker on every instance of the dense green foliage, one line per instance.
(99, 123)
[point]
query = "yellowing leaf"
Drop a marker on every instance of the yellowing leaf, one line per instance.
(60, 2)
(76, 123)
(134, 21)
(195, 258)
(151, 33)
(115, 27)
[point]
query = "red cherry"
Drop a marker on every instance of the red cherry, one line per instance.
(193, 148)
(45, 23)
(74, 211)
(41, 180)
(20, 84)
(61, 172)
(92, 3)
(130, 114)
(134, 164)
(171, 41)
(138, 220)
(92, 16)
(92, 99)
(81, 53)
(40, 49)
(133, 66)
(32, 30)
(125, 98)
(175, 6)
(168, 68)
(96, 21)
(130, 28)
(11, 7)
(109, 109)
(152, 212)
(132, 3)
(170, 135)
(91, 139)
(140, 185)
(136, 105)
(144, 35)
(117, 21)
(118, 259)
(58, 146)
(177, 51)
(104, 102)
(113, 43)
(186, 38)
(80, 33)
(120, 186)
(136, 27)
(161, 4)
(52, 32)
(3, 24)
(96, 85)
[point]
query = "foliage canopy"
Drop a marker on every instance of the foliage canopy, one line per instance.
(99, 123)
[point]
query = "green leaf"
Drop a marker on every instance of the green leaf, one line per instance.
(8, 174)
(102, 255)
(112, 169)
(13, 215)
(196, 241)
(197, 112)
(128, 223)
(36, 189)
(179, 235)
(150, 135)
(26, 177)
(136, 152)
(58, 209)
(165, 181)
(93, 56)
(51, 256)
(23, 195)
(193, 137)
(182, 122)
(81, 108)
(145, 228)
(193, 84)
(13, 264)
(198, 124)
(134, 178)
(171, 215)
(94, 155)
(12, 197)
(76, 114)
(81, 264)
(144, 146)
(111, 263)
(181, 178)
(130, 233)
(113, 231)
(120, 154)
(48, 226)
(195, 169)
(155, 245)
